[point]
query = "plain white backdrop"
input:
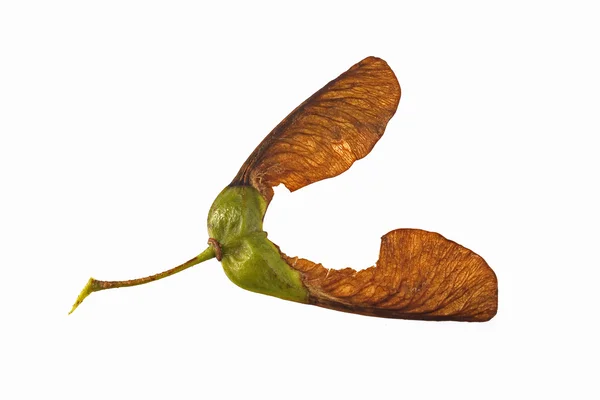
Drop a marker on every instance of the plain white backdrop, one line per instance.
(121, 121)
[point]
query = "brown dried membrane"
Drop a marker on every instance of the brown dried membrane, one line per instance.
(325, 134)
(419, 275)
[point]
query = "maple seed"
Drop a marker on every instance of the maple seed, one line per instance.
(419, 274)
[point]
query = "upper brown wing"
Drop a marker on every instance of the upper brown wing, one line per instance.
(419, 275)
(323, 136)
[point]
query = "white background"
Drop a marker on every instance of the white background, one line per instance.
(121, 121)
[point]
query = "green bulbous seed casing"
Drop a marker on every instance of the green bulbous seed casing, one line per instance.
(250, 260)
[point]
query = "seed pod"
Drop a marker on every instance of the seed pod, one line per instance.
(419, 274)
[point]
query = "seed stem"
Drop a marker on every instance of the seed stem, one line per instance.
(94, 285)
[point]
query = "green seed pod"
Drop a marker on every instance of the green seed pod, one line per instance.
(419, 274)
(249, 259)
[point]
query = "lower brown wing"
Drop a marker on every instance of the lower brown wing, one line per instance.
(419, 275)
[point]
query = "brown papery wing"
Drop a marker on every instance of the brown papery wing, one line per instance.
(419, 275)
(323, 136)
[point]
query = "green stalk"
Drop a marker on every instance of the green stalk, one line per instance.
(94, 285)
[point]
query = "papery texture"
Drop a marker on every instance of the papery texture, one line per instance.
(419, 275)
(323, 136)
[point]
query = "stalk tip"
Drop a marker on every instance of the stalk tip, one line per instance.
(87, 290)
